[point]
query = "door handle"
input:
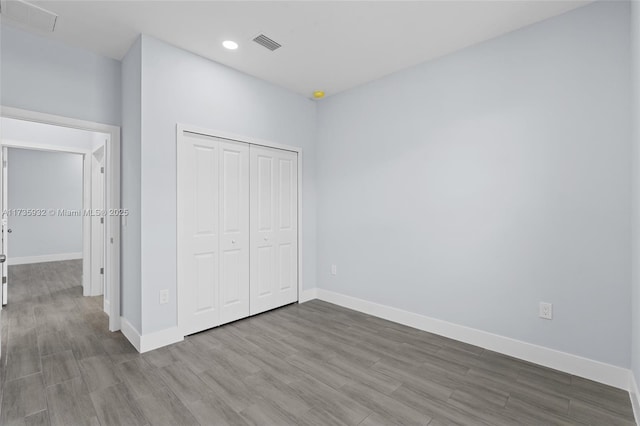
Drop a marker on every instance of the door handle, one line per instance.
(3, 258)
(9, 230)
(233, 241)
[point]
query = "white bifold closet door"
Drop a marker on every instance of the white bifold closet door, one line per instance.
(213, 232)
(274, 228)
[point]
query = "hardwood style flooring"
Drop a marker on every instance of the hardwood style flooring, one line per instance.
(309, 364)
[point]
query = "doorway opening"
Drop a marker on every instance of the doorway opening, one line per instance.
(61, 224)
(44, 245)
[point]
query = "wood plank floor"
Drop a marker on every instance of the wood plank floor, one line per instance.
(309, 364)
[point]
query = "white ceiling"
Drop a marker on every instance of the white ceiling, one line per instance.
(330, 46)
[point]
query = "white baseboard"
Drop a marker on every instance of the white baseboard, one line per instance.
(307, 295)
(148, 342)
(115, 325)
(130, 333)
(44, 258)
(579, 366)
(151, 341)
(634, 394)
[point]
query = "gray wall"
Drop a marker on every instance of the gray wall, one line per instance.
(180, 87)
(635, 54)
(131, 178)
(44, 180)
(472, 187)
(44, 75)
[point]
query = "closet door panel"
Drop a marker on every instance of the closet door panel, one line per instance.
(234, 225)
(265, 192)
(286, 256)
(262, 218)
(287, 264)
(206, 275)
(264, 271)
(273, 228)
(198, 233)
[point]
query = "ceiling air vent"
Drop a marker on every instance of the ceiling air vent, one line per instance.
(29, 14)
(265, 41)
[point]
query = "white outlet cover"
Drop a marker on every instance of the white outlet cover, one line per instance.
(334, 270)
(164, 296)
(545, 310)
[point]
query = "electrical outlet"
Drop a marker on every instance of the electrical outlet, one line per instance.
(334, 270)
(546, 310)
(164, 297)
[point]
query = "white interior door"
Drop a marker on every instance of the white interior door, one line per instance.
(5, 225)
(274, 228)
(98, 227)
(3, 268)
(213, 190)
(198, 235)
(234, 231)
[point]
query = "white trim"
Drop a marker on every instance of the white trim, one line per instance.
(86, 226)
(148, 342)
(43, 258)
(3, 203)
(96, 183)
(221, 134)
(299, 162)
(113, 226)
(634, 394)
(594, 370)
(130, 333)
(41, 117)
(151, 341)
(307, 295)
(10, 143)
(112, 166)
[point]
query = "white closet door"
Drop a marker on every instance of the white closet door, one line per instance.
(198, 235)
(274, 228)
(234, 231)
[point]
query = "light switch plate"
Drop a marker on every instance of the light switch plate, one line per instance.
(164, 297)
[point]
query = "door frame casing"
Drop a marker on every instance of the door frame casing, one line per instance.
(112, 187)
(4, 153)
(220, 134)
(97, 262)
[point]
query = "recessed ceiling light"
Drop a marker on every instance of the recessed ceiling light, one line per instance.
(231, 45)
